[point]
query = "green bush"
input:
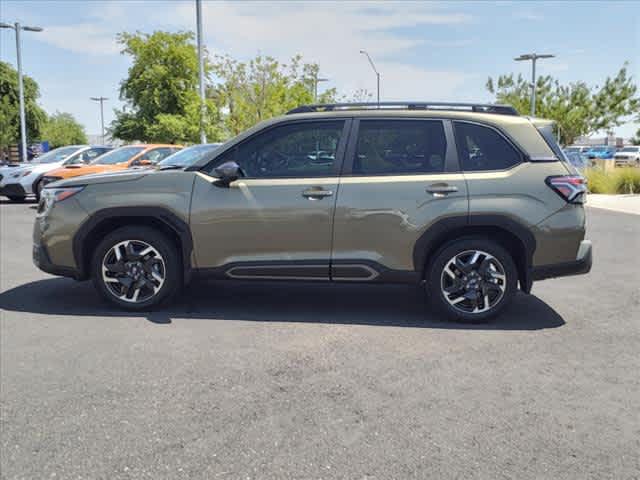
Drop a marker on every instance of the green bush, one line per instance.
(627, 180)
(621, 180)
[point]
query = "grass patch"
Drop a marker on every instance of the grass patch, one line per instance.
(622, 180)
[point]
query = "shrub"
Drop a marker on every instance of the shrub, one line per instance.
(627, 180)
(621, 180)
(598, 181)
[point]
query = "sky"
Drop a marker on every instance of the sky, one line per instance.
(435, 51)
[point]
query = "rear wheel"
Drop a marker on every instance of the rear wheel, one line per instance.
(472, 279)
(38, 190)
(136, 268)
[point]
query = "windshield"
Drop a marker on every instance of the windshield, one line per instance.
(630, 149)
(188, 156)
(119, 155)
(56, 155)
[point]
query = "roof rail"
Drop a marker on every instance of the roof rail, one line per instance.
(472, 107)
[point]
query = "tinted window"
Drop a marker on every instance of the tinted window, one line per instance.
(298, 150)
(119, 155)
(400, 146)
(482, 148)
(56, 155)
(189, 155)
(158, 154)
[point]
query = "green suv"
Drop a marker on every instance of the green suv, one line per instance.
(472, 201)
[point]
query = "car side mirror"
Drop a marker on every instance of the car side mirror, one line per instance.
(228, 172)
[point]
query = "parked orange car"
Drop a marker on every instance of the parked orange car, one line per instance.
(115, 160)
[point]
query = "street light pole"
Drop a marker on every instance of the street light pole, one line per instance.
(533, 57)
(23, 125)
(203, 135)
(317, 80)
(101, 100)
(377, 74)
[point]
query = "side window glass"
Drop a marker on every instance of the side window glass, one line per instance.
(400, 147)
(482, 148)
(306, 149)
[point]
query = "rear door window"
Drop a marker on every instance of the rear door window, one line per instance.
(482, 148)
(396, 147)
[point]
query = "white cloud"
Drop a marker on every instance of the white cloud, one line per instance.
(87, 38)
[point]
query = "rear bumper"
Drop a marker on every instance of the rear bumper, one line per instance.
(581, 265)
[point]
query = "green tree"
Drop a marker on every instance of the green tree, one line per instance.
(577, 108)
(262, 88)
(636, 140)
(62, 129)
(161, 101)
(10, 110)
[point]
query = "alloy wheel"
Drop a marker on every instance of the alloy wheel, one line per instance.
(133, 271)
(473, 281)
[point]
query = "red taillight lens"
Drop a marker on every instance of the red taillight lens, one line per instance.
(570, 187)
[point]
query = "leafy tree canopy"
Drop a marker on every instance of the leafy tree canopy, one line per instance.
(249, 92)
(10, 107)
(161, 101)
(62, 129)
(577, 108)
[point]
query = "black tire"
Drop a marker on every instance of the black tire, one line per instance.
(37, 190)
(15, 198)
(435, 273)
(172, 267)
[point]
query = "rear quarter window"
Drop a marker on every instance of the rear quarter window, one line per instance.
(482, 148)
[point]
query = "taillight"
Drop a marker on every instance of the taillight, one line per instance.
(570, 187)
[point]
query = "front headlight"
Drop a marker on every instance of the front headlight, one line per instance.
(50, 196)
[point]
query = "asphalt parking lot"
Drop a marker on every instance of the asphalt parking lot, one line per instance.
(291, 381)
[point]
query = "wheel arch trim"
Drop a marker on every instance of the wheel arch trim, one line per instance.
(437, 234)
(159, 214)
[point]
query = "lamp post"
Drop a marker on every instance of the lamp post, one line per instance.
(203, 135)
(101, 100)
(23, 126)
(377, 74)
(317, 80)
(533, 57)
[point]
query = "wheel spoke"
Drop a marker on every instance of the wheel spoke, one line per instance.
(463, 267)
(133, 271)
(117, 267)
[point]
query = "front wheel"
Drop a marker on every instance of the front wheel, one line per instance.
(472, 280)
(136, 268)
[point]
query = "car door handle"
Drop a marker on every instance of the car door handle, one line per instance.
(316, 193)
(440, 189)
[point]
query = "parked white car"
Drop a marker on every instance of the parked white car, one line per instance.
(627, 157)
(17, 181)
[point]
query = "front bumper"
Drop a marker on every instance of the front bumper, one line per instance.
(581, 265)
(13, 190)
(41, 260)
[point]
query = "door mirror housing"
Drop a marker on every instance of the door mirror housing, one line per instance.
(228, 172)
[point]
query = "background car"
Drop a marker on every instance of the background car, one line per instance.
(628, 156)
(119, 159)
(19, 180)
(602, 152)
(575, 159)
(187, 156)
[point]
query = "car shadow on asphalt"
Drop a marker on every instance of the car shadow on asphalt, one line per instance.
(376, 305)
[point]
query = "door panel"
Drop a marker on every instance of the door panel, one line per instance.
(380, 217)
(276, 221)
(260, 220)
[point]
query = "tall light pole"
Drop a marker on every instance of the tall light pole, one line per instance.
(377, 74)
(533, 57)
(23, 126)
(101, 100)
(203, 135)
(317, 80)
